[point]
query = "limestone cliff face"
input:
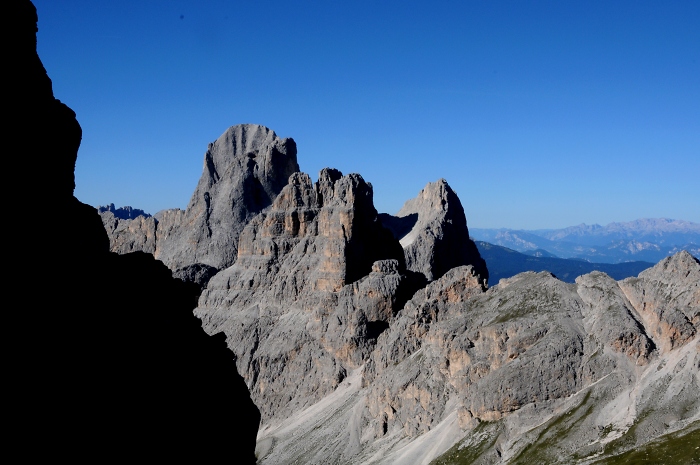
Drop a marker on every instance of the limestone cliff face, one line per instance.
(532, 370)
(130, 234)
(492, 352)
(530, 339)
(316, 281)
(244, 170)
(433, 232)
(667, 300)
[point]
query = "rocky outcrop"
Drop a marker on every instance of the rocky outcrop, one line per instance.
(244, 170)
(609, 317)
(198, 274)
(316, 281)
(105, 349)
(493, 352)
(433, 232)
(532, 370)
(127, 235)
(667, 299)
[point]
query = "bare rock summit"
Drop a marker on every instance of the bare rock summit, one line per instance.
(432, 230)
(244, 170)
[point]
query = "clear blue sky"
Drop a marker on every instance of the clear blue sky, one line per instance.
(538, 114)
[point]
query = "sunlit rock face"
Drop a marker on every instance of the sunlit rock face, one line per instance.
(530, 370)
(244, 170)
(128, 235)
(316, 281)
(433, 232)
(667, 298)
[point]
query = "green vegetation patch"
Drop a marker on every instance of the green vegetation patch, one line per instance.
(545, 449)
(516, 312)
(474, 448)
(679, 448)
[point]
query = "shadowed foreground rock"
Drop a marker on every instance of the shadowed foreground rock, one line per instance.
(107, 355)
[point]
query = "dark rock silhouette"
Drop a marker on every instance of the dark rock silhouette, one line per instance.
(198, 273)
(108, 355)
(123, 213)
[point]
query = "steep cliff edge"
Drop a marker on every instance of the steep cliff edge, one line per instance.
(107, 356)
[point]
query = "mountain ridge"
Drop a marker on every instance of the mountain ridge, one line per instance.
(506, 263)
(392, 365)
(647, 239)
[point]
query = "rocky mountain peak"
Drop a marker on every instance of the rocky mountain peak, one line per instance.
(319, 263)
(432, 230)
(244, 170)
(251, 160)
(682, 262)
(675, 280)
(434, 196)
(337, 214)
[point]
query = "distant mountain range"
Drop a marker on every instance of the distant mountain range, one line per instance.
(506, 263)
(649, 240)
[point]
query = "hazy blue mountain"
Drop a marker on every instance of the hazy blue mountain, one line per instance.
(650, 239)
(661, 231)
(503, 262)
(540, 253)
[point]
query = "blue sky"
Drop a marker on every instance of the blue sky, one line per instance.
(538, 114)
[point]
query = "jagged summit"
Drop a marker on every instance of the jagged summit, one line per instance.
(432, 229)
(682, 260)
(244, 170)
(316, 281)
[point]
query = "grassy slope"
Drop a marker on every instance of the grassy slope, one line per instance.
(679, 448)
